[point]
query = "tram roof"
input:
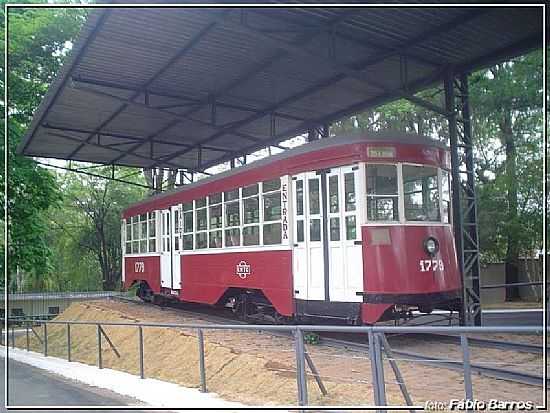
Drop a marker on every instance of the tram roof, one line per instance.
(385, 138)
(194, 87)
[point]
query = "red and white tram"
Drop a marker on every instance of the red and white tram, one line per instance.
(354, 228)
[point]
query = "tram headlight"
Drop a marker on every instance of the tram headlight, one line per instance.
(431, 245)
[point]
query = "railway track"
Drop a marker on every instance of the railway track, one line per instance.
(493, 372)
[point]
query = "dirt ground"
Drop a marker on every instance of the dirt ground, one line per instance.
(258, 368)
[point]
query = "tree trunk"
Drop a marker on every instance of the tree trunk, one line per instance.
(149, 179)
(512, 249)
(171, 181)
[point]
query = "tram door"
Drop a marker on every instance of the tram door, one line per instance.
(308, 260)
(327, 253)
(175, 238)
(165, 250)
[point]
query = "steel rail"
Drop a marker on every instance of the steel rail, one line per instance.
(489, 343)
(494, 372)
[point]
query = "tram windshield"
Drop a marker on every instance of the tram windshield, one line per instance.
(423, 191)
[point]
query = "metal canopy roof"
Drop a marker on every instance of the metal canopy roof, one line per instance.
(192, 87)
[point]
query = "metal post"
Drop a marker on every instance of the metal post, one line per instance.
(377, 380)
(13, 336)
(27, 335)
(2, 333)
(99, 355)
(467, 370)
(470, 235)
(68, 342)
(300, 368)
(455, 185)
(45, 340)
(396, 371)
(141, 369)
(316, 374)
(380, 370)
(201, 361)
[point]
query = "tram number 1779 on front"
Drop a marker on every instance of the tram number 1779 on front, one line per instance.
(431, 265)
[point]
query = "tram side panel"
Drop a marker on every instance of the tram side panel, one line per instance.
(206, 277)
(144, 268)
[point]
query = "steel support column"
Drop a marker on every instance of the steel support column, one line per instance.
(463, 195)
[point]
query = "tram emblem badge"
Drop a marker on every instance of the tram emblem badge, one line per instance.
(243, 270)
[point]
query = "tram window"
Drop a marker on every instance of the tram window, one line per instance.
(215, 199)
(333, 193)
(128, 236)
(421, 193)
(152, 231)
(177, 230)
(188, 222)
(152, 226)
(251, 235)
(231, 195)
(446, 196)
(300, 231)
(272, 206)
(135, 234)
(251, 209)
(335, 229)
(272, 234)
(382, 193)
(202, 223)
(215, 216)
(351, 228)
(200, 203)
(273, 185)
(300, 197)
(315, 230)
(250, 190)
(202, 240)
(188, 242)
(215, 239)
(233, 237)
(187, 238)
(232, 214)
(349, 191)
(314, 204)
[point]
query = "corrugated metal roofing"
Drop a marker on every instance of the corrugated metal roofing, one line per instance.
(193, 87)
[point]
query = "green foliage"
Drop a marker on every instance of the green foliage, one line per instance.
(36, 46)
(312, 338)
(85, 229)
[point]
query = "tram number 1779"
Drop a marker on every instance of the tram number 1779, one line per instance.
(431, 265)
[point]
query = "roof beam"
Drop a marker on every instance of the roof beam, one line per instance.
(187, 100)
(254, 70)
(181, 53)
(344, 70)
(177, 119)
(110, 148)
(132, 138)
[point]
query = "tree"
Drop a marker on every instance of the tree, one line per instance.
(507, 102)
(36, 50)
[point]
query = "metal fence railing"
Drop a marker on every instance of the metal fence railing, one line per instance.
(378, 348)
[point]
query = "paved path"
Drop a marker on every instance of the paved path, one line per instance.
(29, 386)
